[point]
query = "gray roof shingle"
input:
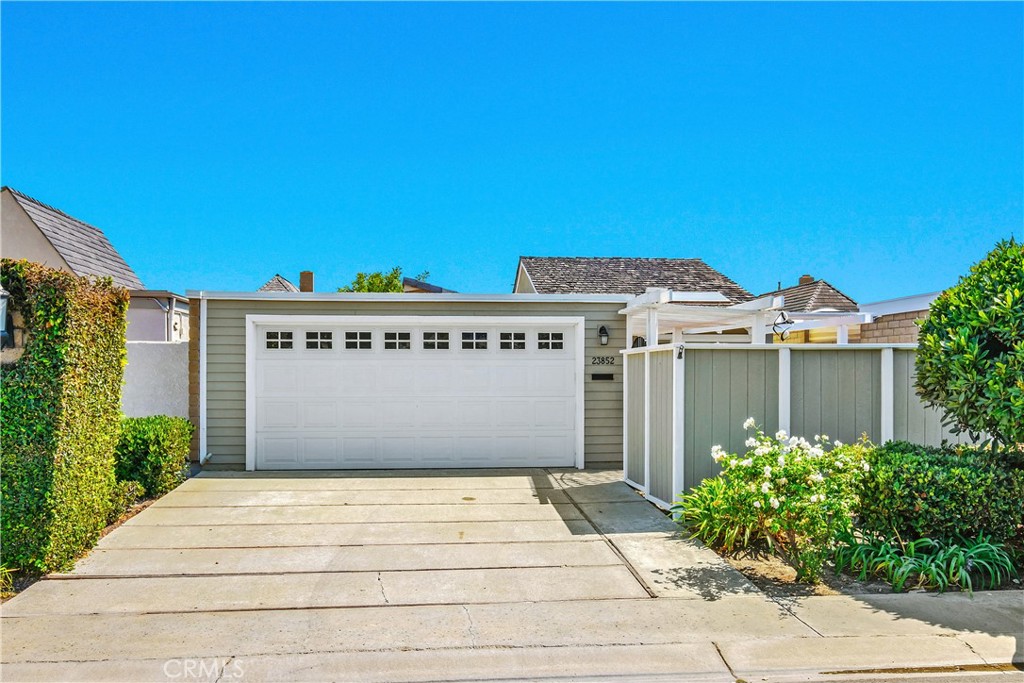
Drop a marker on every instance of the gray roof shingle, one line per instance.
(814, 296)
(616, 275)
(85, 248)
(278, 284)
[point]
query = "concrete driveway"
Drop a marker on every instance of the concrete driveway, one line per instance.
(459, 575)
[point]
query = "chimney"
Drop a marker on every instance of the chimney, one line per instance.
(306, 281)
(804, 279)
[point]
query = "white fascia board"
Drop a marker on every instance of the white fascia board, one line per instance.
(398, 297)
(697, 297)
(904, 304)
(764, 303)
(829, 321)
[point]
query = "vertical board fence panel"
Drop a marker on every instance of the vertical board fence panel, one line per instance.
(722, 389)
(661, 427)
(836, 392)
(635, 388)
(914, 421)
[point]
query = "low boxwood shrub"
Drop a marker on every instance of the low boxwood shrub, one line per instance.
(792, 495)
(944, 494)
(154, 452)
(61, 404)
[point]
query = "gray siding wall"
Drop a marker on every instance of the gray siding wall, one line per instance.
(721, 389)
(635, 433)
(661, 425)
(225, 348)
(837, 393)
(913, 421)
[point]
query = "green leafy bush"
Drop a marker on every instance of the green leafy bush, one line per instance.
(970, 357)
(122, 498)
(926, 563)
(786, 492)
(61, 404)
(916, 491)
(154, 452)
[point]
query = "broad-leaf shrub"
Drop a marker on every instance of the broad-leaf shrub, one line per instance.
(795, 496)
(917, 491)
(61, 405)
(970, 355)
(124, 495)
(154, 452)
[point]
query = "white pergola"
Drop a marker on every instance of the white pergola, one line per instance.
(659, 312)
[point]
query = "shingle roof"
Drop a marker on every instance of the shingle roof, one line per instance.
(814, 296)
(581, 275)
(85, 248)
(278, 284)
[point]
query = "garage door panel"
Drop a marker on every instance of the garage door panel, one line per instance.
(474, 414)
(320, 415)
(417, 407)
(359, 451)
(436, 414)
(360, 414)
(278, 415)
(320, 451)
(277, 379)
(398, 451)
(277, 451)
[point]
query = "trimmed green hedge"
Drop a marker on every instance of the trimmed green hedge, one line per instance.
(61, 406)
(941, 493)
(154, 452)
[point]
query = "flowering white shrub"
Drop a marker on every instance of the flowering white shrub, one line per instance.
(794, 495)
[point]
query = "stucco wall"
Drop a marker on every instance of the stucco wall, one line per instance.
(156, 379)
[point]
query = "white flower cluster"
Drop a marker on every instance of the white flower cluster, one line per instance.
(749, 423)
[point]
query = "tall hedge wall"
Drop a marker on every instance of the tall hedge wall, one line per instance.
(60, 407)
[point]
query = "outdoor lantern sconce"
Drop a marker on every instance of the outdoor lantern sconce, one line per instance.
(602, 334)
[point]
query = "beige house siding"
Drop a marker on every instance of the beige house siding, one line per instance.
(897, 328)
(21, 239)
(225, 362)
(193, 375)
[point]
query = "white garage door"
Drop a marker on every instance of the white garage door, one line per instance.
(401, 395)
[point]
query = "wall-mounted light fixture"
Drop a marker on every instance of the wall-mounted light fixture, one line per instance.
(602, 334)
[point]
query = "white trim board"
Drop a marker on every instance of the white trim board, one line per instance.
(252, 320)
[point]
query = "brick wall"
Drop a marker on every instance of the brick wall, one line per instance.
(897, 328)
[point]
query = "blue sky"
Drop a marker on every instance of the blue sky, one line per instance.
(879, 146)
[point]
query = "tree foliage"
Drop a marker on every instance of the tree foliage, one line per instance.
(970, 357)
(379, 281)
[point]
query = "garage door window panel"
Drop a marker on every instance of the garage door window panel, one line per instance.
(358, 341)
(474, 341)
(550, 341)
(436, 341)
(512, 341)
(277, 340)
(397, 341)
(319, 340)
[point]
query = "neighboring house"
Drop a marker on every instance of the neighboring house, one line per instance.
(811, 295)
(278, 284)
(32, 230)
(895, 320)
(414, 286)
(617, 275)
